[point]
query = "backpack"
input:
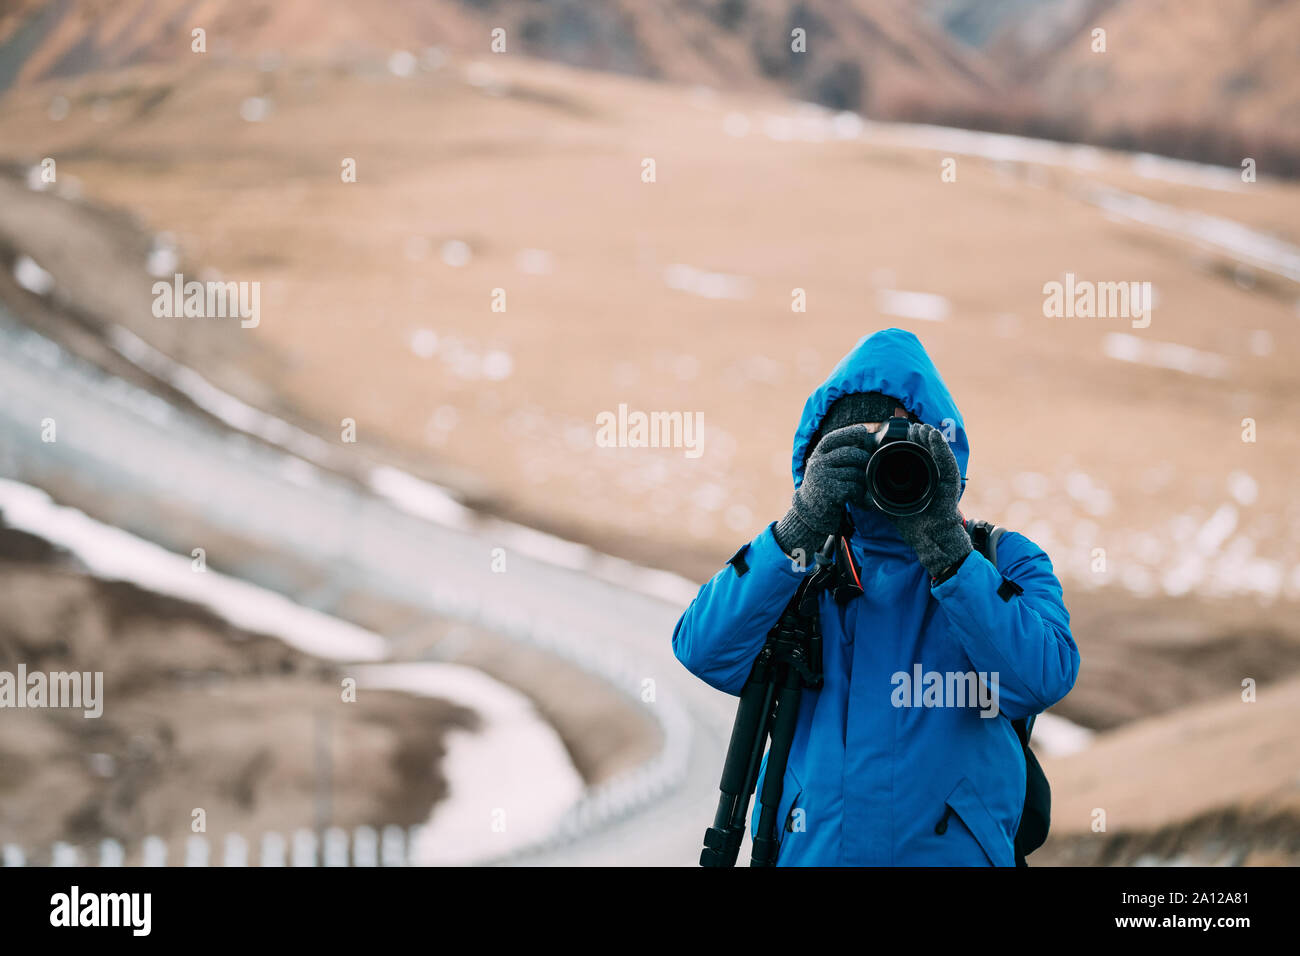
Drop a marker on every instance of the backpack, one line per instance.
(1035, 819)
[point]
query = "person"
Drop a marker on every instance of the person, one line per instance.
(882, 773)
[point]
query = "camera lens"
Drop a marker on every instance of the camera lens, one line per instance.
(902, 478)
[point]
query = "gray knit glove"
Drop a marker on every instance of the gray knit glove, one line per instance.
(835, 473)
(936, 534)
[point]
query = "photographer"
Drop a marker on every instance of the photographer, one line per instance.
(880, 774)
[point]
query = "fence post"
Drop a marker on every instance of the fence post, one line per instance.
(392, 852)
(196, 850)
(63, 854)
(111, 853)
(365, 846)
(153, 851)
(413, 844)
(272, 849)
(235, 850)
(336, 847)
(304, 847)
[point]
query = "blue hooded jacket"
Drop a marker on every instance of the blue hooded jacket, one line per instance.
(880, 772)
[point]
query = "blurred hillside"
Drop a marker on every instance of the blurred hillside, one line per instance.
(1020, 35)
(1203, 80)
(864, 55)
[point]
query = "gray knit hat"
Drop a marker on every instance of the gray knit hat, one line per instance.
(851, 409)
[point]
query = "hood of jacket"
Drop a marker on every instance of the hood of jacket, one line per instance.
(892, 362)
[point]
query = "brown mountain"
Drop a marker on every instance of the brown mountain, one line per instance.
(875, 55)
(1221, 63)
(1204, 79)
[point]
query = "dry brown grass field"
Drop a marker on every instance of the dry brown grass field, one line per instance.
(507, 174)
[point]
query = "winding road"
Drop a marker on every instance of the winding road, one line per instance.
(130, 459)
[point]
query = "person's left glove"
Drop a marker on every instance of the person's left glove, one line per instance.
(936, 534)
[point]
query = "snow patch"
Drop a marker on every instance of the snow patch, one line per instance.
(115, 555)
(32, 277)
(1170, 355)
(511, 782)
(924, 306)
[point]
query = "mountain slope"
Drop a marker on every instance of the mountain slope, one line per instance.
(1213, 80)
(876, 55)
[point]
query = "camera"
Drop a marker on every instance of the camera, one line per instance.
(902, 476)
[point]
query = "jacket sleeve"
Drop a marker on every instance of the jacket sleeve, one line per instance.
(723, 629)
(1023, 637)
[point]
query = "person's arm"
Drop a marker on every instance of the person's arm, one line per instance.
(720, 634)
(1013, 622)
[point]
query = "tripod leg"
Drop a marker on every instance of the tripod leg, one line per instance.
(766, 844)
(740, 771)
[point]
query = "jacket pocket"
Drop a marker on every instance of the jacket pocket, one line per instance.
(965, 804)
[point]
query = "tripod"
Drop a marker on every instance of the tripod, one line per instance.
(791, 659)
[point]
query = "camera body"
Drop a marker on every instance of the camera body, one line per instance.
(902, 475)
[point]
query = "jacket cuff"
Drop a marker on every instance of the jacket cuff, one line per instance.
(765, 553)
(792, 533)
(949, 571)
(973, 571)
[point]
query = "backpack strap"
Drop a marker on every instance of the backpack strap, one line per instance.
(984, 536)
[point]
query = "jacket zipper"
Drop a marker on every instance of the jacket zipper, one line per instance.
(942, 826)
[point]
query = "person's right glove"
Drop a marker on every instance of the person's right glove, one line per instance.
(834, 475)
